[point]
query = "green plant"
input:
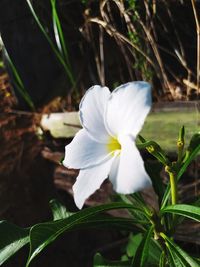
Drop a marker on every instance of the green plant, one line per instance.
(152, 228)
(150, 244)
(18, 83)
(60, 49)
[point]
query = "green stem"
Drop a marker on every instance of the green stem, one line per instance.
(173, 184)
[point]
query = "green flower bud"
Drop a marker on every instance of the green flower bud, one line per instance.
(181, 134)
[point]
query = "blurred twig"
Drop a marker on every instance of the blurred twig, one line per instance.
(198, 43)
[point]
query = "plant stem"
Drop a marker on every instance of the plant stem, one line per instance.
(173, 184)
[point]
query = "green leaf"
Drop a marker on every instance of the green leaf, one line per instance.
(133, 244)
(154, 252)
(188, 211)
(142, 252)
(18, 82)
(59, 211)
(154, 248)
(51, 43)
(137, 202)
(192, 153)
(173, 260)
(178, 257)
(162, 259)
(193, 150)
(12, 238)
(194, 142)
(99, 261)
(43, 234)
(154, 149)
(58, 32)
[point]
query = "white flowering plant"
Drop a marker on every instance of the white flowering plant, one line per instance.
(104, 148)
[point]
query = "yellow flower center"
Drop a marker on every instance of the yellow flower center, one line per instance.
(113, 144)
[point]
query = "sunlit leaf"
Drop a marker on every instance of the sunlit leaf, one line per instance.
(177, 255)
(189, 211)
(12, 239)
(59, 211)
(58, 32)
(43, 234)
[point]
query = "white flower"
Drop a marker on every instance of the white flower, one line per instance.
(105, 147)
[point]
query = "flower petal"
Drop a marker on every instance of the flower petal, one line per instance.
(128, 174)
(89, 180)
(84, 152)
(92, 109)
(127, 108)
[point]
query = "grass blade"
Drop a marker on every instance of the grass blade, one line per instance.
(18, 82)
(59, 36)
(56, 52)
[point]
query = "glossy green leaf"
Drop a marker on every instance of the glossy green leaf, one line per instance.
(43, 234)
(108, 221)
(142, 252)
(12, 239)
(99, 261)
(189, 211)
(177, 255)
(59, 211)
